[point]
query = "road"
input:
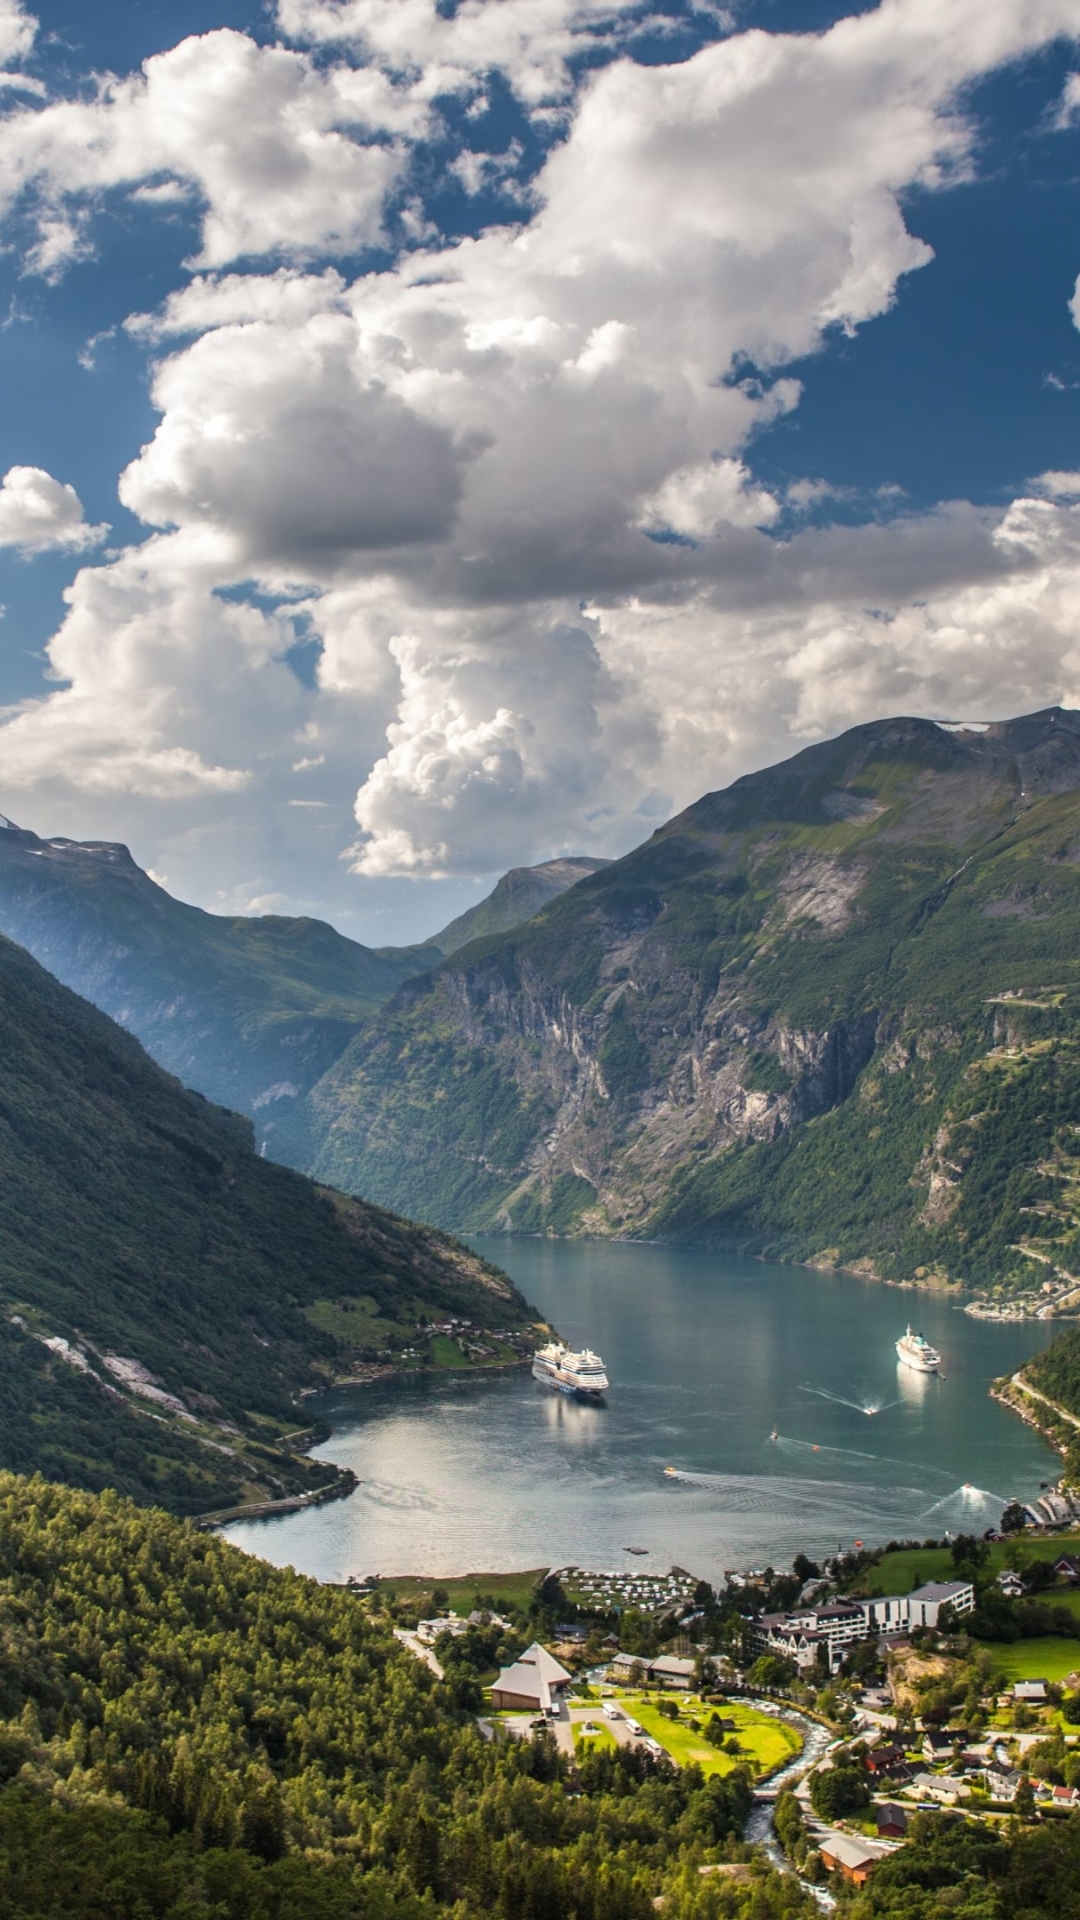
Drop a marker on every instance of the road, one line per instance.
(423, 1653)
(1019, 1381)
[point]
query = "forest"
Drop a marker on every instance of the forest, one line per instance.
(185, 1731)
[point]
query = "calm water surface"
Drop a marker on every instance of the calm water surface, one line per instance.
(707, 1354)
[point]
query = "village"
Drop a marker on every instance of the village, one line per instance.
(852, 1713)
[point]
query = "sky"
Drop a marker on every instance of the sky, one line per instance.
(437, 437)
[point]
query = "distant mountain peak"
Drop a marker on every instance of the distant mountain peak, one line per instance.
(517, 897)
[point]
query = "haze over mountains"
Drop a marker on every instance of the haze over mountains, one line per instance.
(831, 1013)
(250, 1011)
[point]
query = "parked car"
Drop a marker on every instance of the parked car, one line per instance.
(611, 1711)
(634, 1726)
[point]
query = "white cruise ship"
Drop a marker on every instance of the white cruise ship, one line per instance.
(917, 1353)
(581, 1373)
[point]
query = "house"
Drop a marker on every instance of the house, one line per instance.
(1066, 1797)
(1067, 1567)
(1010, 1584)
(937, 1746)
(852, 1859)
(1001, 1785)
(429, 1630)
(1031, 1691)
(532, 1684)
(947, 1788)
(671, 1671)
(884, 1762)
(892, 1821)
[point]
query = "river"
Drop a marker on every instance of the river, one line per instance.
(709, 1355)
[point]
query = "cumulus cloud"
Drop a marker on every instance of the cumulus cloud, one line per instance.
(467, 784)
(530, 42)
(284, 156)
(453, 464)
(38, 513)
(18, 31)
(698, 501)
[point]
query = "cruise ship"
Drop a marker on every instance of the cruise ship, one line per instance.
(581, 1373)
(917, 1353)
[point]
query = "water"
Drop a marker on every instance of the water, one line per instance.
(708, 1354)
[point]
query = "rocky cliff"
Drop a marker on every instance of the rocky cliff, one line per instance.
(831, 1012)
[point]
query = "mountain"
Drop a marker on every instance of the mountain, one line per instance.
(251, 1011)
(831, 1013)
(517, 897)
(166, 1294)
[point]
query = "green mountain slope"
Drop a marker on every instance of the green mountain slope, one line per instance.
(190, 1289)
(187, 1733)
(249, 1010)
(831, 1013)
(518, 896)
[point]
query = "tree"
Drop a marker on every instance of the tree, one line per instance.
(1012, 1519)
(704, 1673)
(1024, 1804)
(837, 1791)
(769, 1671)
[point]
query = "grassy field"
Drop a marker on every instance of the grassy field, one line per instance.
(909, 1567)
(354, 1323)
(603, 1737)
(502, 1589)
(1048, 1659)
(766, 1743)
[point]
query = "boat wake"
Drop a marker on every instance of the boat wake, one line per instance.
(858, 1406)
(967, 1496)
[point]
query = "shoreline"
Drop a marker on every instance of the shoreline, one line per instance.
(953, 1292)
(345, 1483)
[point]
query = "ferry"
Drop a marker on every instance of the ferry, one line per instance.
(917, 1353)
(581, 1373)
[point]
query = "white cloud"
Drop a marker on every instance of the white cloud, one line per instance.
(698, 501)
(281, 441)
(287, 158)
(452, 464)
(530, 42)
(469, 784)
(1058, 484)
(38, 513)
(18, 30)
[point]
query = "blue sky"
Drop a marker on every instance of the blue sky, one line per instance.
(536, 419)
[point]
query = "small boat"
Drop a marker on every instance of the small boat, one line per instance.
(774, 1435)
(635, 1549)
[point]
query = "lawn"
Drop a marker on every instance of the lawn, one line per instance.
(766, 1743)
(1049, 1659)
(584, 1742)
(909, 1567)
(356, 1322)
(446, 1353)
(502, 1590)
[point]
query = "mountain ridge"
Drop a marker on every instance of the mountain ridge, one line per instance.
(249, 1010)
(165, 1293)
(829, 954)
